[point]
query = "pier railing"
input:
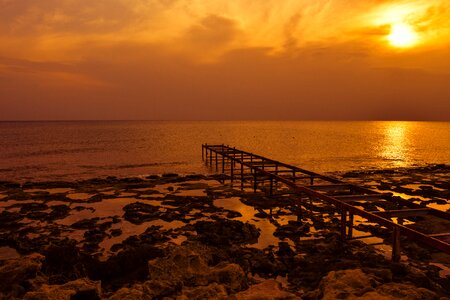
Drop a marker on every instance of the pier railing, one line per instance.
(345, 197)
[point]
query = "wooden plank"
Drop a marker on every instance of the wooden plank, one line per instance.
(362, 237)
(349, 198)
(440, 235)
(403, 212)
(304, 177)
(328, 187)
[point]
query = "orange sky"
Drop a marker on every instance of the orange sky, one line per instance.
(225, 59)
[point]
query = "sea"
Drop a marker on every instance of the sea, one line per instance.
(76, 150)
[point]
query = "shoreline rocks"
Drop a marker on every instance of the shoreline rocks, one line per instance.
(165, 237)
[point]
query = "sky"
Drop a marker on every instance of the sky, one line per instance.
(225, 60)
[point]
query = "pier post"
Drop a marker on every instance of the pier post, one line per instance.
(232, 169)
(223, 164)
(343, 224)
(299, 208)
(396, 244)
(293, 175)
(210, 157)
(350, 225)
(271, 187)
(255, 183)
(217, 161)
(242, 170)
(203, 155)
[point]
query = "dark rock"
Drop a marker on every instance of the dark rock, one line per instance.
(62, 262)
(292, 229)
(226, 232)
(127, 266)
(85, 224)
(138, 213)
(32, 207)
(15, 272)
(116, 232)
(169, 175)
(261, 215)
(87, 293)
(10, 219)
(284, 249)
(233, 214)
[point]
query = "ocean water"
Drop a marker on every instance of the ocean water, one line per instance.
(37, 151)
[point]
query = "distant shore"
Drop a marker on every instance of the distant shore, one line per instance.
(191, 236)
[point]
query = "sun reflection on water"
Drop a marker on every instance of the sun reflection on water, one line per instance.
(395, 142)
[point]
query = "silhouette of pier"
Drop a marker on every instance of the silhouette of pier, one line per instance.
(347, 198)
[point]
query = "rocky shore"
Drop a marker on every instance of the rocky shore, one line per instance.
(193, 237)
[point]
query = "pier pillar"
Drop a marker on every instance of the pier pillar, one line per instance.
(396, 244)
(350, 225)
(343, 224)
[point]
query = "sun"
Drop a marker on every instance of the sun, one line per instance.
(402, 36)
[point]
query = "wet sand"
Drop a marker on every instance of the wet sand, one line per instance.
(194, 237)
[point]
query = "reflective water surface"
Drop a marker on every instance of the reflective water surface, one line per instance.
(75, 150)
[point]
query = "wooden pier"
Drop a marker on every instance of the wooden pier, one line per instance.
(345, 197)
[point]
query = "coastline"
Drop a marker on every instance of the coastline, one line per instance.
(182, 236)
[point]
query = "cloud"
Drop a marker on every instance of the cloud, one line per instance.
(192, 59)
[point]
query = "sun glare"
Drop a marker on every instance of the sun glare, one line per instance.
(402, 36)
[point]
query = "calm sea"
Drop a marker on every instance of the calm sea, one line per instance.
(77, 150)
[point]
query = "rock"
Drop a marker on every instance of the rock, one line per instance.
(62, 262)
(230, 275)
(212, 291)
(128, 266)
(169, 175)
(116, 232)
(233, 214)
(266, 290)
(284, 249)
(352, 284)
(78, 289)
(9, 220)
(31, 207)
(59, 212)
(85, 223)
(226, 232)
(400, 291)
(346, 283)
(138, 212)
(187, 266)
(17, 271)
(133, 293)
(292, 230)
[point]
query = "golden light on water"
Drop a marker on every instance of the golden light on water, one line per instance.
(402, 36)
(395, 142)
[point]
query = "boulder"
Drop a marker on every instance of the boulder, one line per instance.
(187, 267)
(266, 290)
(226, 232)
(78, 289)
(391, 291)
(355, 284)
(212, 291)
(346, 284)
(16, 271)
(132, 293)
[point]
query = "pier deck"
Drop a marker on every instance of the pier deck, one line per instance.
(345, 197)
